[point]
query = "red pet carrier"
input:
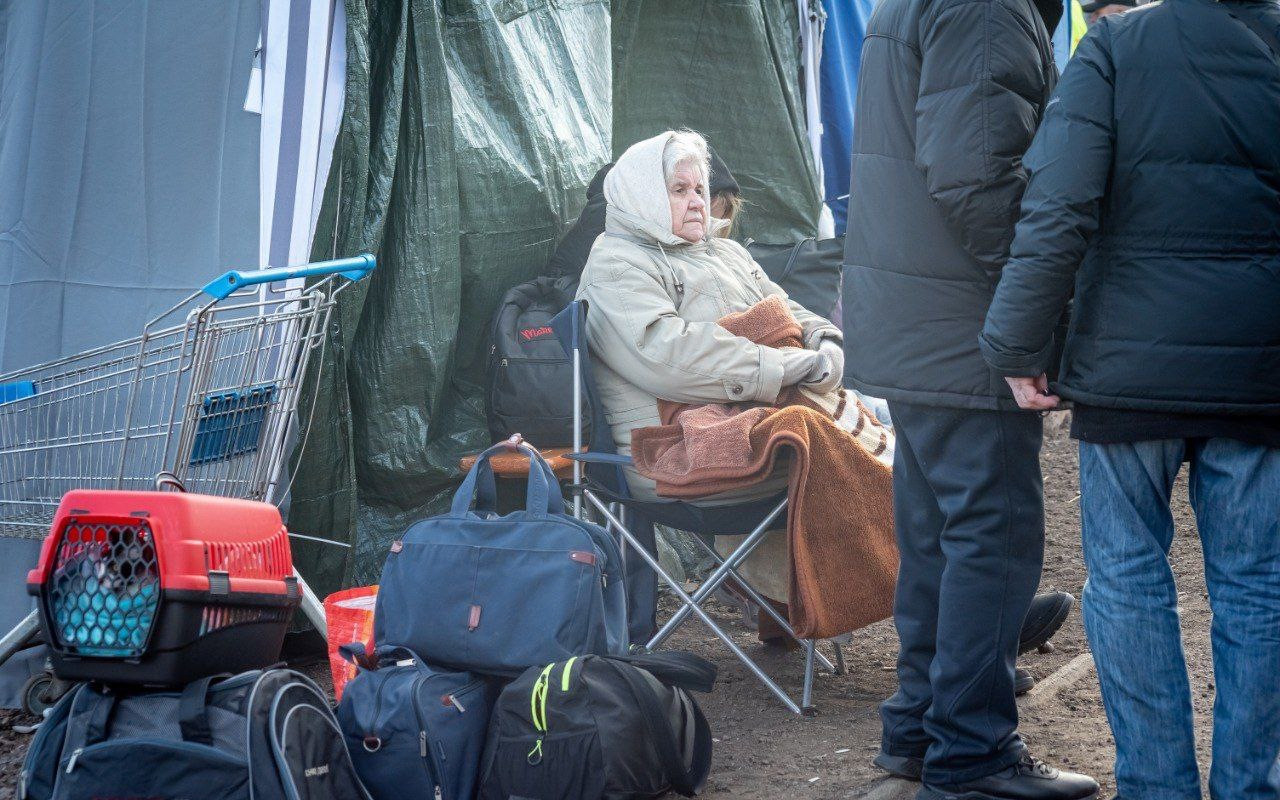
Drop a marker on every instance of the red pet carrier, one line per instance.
(161, 588)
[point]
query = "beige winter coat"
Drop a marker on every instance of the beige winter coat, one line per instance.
(653, 302)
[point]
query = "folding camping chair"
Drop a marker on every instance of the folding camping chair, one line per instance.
(600, 482)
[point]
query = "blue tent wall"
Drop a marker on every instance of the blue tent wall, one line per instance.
(841, 55)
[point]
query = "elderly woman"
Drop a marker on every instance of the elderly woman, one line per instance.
(657, 281)
(571, 253)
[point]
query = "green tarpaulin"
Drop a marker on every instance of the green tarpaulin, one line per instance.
(729, 69)
(470, 131)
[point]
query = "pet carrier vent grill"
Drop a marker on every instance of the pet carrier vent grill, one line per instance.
(105, 589)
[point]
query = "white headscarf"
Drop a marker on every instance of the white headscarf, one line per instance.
(636, 193)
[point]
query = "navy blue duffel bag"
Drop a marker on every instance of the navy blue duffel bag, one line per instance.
(474, 591)
(414, 731)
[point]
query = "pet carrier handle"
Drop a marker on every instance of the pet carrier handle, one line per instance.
(352, 269)
(543, 496)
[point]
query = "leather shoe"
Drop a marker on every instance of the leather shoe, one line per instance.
(1047, 613)
(1023, 681)
(906, 767)
(1029, 779)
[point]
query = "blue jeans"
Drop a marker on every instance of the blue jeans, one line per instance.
(1131, 612)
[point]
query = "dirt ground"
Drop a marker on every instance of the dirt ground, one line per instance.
(762, 751)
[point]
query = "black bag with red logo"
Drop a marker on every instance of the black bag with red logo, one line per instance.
(530, 379)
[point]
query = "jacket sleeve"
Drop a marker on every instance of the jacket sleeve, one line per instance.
(633, 326)
(813, 327)
(981, 80)
(1070, 164)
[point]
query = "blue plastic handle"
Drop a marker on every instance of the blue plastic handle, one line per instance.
(354, 269)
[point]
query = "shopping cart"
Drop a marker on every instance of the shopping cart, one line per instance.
(205, 398)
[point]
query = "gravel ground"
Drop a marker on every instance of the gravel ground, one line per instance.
(763, 751)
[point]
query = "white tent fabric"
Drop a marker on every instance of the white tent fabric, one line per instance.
(298, 89)
(812, 24)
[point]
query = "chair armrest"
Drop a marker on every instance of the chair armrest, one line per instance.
(600, 458)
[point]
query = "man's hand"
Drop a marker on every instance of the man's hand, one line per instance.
(1033, 393)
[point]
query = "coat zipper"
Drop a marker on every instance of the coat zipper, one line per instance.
(75, 755)
(377, 710)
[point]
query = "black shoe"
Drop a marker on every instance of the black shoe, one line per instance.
(1023, 681)
(1029, 779)
(1048, 612)
(905, 767)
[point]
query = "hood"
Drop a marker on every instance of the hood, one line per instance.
(637, 194)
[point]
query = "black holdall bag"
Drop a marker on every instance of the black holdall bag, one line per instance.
(530, 379)
(809, 270)
(596, 727)
(261, 735)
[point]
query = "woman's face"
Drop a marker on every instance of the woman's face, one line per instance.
(688, 211)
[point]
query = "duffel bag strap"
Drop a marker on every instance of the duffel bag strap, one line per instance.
(687, 782)
(95, 726)
(193, 711)
(675, 668)
(357, 653)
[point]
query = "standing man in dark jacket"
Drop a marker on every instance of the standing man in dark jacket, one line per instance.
(949, 96)
(1155, 197)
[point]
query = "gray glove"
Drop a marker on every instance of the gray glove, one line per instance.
(828, 374)
(798, 365)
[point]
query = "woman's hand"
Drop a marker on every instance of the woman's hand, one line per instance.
(833, 350)
(798, 364)
(828, 372)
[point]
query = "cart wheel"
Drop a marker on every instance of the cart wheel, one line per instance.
(41, 692)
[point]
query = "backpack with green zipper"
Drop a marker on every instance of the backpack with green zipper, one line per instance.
(592, 727)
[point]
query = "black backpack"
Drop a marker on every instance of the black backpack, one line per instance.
(530, 378)
(596, 727)
(809, 271)
(266, 735)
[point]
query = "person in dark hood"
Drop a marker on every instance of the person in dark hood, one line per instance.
(949, 96)
(572, 251)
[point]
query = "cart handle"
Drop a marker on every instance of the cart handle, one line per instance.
(353, 269)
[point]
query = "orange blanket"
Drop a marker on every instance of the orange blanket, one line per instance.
(844, 561)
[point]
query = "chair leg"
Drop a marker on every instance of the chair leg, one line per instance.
(806, 695)
(841, 667)
(762, 604)
(717, 577)
(695, 608)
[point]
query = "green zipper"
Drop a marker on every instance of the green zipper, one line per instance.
(538, 711)
(564, 676)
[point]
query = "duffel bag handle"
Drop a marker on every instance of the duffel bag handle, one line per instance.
(675, 668)
(687, 782)
(357, 653)
(543, 496)
(193, 710)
